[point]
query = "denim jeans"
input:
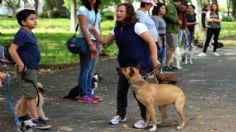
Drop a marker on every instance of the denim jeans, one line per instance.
(87, 65)
(162, 53)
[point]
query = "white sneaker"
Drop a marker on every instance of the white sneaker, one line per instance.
(150, 76)
(190, 61)
(201, 54)
(216, 54)
(140, 124)
(116, 120)
(29, 123)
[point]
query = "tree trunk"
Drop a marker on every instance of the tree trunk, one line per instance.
(36, 6)
(234, 9)
(73, 17)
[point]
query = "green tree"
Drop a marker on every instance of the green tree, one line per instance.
(13, 5)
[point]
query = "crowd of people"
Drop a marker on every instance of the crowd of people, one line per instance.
(149, 41)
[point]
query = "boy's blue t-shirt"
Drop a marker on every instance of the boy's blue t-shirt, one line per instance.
(28, 49)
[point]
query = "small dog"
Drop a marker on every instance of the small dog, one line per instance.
(74, 92)
(39, 100)
(165, 78)
(150, 95)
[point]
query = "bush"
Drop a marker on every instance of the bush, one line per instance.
(228, 18)
(107, 15)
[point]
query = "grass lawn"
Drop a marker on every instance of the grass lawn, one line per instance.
(52, 35)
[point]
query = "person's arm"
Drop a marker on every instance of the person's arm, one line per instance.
(101, 39)
(152, 46)
(83, 27)
(203, 16)
(15, 56)
(170, 15)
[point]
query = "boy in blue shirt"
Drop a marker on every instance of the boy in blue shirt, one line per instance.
(25, 53)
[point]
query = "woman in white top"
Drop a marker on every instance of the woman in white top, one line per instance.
(213, 18)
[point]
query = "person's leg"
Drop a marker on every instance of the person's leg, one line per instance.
(216, 37)
(208, 39)
(162, 54)
(85, 69)
(22, 107)
(122, 93)
(171, 45)
(32, 107)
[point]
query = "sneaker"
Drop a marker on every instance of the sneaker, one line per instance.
(141, 124)
(97, 98)
(190, 61)
(116, 120)
(87, 100)
(216, 54)
(150, 76)
(201, 54)
(41, 124)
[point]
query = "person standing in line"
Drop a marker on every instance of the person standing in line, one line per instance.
(88, 15)
(172, 29)
(205, 9)
(25, 53)
(183, 32)
(136, 47)
(158, 13)
(191, 22)
(141, 13)
(213, 18)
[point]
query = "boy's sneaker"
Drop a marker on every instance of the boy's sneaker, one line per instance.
(201, 54)
(41, 124)
(141, 124)
(97, 98)
(216, 54)
(116, 120)
(87, 100)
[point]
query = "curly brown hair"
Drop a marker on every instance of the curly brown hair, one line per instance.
(131, 17)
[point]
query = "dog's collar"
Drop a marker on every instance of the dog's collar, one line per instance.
(138, 82)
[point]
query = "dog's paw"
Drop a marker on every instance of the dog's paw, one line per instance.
(180, 127)
(45, 118)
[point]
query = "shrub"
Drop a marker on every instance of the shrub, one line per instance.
(228, 18)
(107, 15)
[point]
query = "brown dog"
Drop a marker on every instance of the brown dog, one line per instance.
(151, 95)
(165, 78)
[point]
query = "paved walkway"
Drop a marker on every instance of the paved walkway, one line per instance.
(209, 85)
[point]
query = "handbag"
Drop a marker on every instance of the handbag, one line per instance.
(77, 45)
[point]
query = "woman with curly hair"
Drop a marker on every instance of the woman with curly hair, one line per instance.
(136, 47)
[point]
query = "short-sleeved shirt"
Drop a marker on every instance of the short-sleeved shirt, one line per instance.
(160, 24)
(90, 20)
(214, 16)
(191, 18)
(149, 23)
(28, 48)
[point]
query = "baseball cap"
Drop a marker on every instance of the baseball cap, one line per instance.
(149, 1)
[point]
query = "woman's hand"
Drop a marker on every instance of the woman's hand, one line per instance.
(155, 63)
(92, 46)
(92, 30)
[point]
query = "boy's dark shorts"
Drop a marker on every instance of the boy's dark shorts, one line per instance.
(28, 82)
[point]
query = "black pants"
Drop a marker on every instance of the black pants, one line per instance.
(210, 32)
(122, 93)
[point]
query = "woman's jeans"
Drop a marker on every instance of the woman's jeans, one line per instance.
(87, 65)
(162, 52)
